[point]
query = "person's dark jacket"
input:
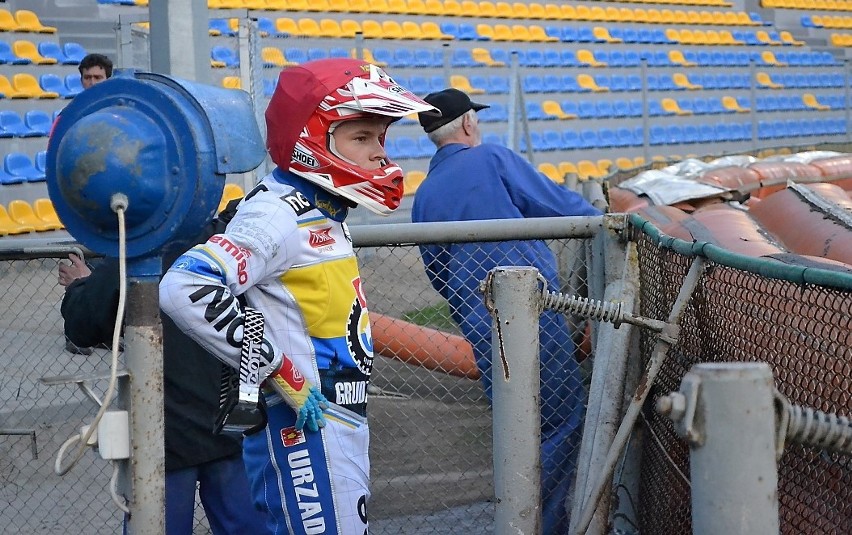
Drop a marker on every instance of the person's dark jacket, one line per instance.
(192, 376)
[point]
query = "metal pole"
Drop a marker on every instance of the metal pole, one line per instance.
(516, 414)
(514, 89)
(847, 81)
(145, 471)
(180, 44)
(753, 104)
(646, 135)
(726, 412)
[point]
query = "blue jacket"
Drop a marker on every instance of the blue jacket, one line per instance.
(492, 182)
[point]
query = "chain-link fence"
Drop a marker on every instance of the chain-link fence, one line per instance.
(431, 430)
(803, 330)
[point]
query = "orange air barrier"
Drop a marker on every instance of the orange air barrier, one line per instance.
(774, 175)
(430, 348)
(731, 177)
(622, 200)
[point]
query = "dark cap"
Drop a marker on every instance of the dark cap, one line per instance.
(452, 103)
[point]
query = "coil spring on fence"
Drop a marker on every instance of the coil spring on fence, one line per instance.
(584, 306)
(818, 429)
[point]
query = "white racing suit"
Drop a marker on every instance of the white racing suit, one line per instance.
(288, 254)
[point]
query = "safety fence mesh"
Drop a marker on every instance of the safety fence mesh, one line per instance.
(802, 330)
(431, 463)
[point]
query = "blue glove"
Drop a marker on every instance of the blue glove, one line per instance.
(300, 394)
(310, 412)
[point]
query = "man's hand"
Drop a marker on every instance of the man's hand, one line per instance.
(69, 273)
(303, 397)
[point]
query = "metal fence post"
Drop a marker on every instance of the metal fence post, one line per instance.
(146, 468)
(516, 414)
(726, 412)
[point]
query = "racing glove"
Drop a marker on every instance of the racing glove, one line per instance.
(298, 393)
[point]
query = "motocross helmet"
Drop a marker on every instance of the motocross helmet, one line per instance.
(311, 100)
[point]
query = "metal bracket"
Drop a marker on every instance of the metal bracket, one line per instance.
(681, 408)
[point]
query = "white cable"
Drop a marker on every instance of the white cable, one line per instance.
(113, 481)
(118, 205)
(61, 452)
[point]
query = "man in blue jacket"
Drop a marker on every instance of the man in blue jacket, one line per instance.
(468, 180)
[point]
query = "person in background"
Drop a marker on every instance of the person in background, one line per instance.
(195, 456)
(468, 180)
(94, 69)
(282, 283)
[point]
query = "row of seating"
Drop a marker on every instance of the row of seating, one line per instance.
(826, 21)
(23, 52)
(22, 20)
(501, 9)
(19, 168)
(34, 123)
(841, 39)
(46, 86)
(21, 217)
(827, 5)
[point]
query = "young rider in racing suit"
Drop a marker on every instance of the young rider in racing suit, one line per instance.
(287, 254)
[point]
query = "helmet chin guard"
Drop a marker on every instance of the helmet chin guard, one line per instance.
(338, 90)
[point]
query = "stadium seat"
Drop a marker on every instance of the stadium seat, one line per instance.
(73, 84)
(7, 225)
(460, 82)
(588, 83)
(19, 165)
(22, 213)
(50, 49)
(498, 85)
(483, 56)
(38, 122)
(27, 50)
(217, 27)
(273, 57)
(536, 113)
(8, 57)
(295, 56)
(29, 22)
(26, 86)
(45, 211)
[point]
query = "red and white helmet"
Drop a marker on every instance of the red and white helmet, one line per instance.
(309, 102)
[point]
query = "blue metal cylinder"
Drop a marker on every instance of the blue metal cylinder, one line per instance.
(165, 144)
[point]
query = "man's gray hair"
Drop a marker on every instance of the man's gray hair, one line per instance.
(440, 135)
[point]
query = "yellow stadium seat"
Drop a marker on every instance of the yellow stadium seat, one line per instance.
(378, 6)
(9, 91)
(7, 21)
(765, 80)
(520, 10)
(693, 18)
(602, 33)
(503, 10)
(45, 211)
(568, 12)
(391, 29)
(551, 107)
(769, 58)
(551, 171)
(10, 226)
(22, 213)
(28, 22)
(469, 8)
(416, 7)
(727, 38)
(487, 9)
(434, 8)
(788, 38)
(681, 80)
(232, 82)
(486, 31)
(730, 103)
(537, 11)
(666, 16)
(585, 56)
(639, 15)
(274, 57)
(744, 19)
(588, 82)
(330, 28)
(452, 8)
(27, 83)
(286, 25)
(537, 34)
(28, 50)
(638, 161)
(349, 27)
(460, 82)
(553, 12)
(670, 105)
(521, 33)
(482, 55)
(431, 30)
(372, 29)
(566, 168)
(338, 6)
(672, 34)
(679, 17)
(229, 193)
(604, 166)
(624, 164)
(706, 17)
(286, 5)
(309, 27)
(587, 169)
(653, 16)
(583, 12)
(412, 180)
(502, 32)
(319, 6)
(356, 6)
(711, 38)
(810, 100)
(677, 57)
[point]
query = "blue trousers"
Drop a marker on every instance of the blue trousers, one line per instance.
(224, 492)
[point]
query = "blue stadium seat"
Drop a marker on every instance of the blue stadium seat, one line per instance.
(41, 162)
(568, 58)
(315, 53)
(636, 107)
(618, 82)
(553, 31)
(462, 57)
(700, 106)
(632, 58)
(451, 28)
(655, 109)
(628, 35)
(620, 108)
(570, 85)
(296, 55)
(657, 134)
(623, 137)
(74, 51)
(390, 148)
(268, 87)
(717, 58)
(551, 83)
(552, 58)
(266, 26)
(532, 83)
(552, 140)
(426, 147)
(586, 109)
(570, 107)
(585, 35)
(535, 113)
(55, 84)
(570, 34)
(406, 148)
(674, 134)
(49, 49)
(570, 139)
(533, 57)
(225, 55)
(11, 123)
(424, 57)
(221, 26)
(339, 52)
(19, 165)
(8, 57)
(419, 85)
(604, 108)
(589, 139)
(607, 137)
(496, 113)
(614, 59)
(494, 139)
(437, 83)
(468, 32)
(38, 121)
(498, 85)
